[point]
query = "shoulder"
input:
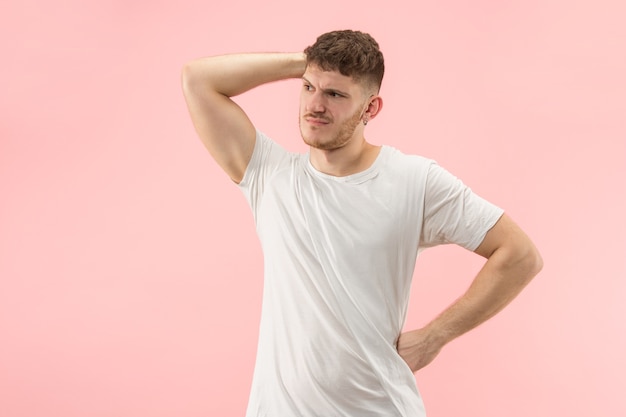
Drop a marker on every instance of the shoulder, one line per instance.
(268, 158)
(266, 150)
(427, 168)
(397, 161)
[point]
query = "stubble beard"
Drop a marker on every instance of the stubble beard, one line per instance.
(346, 131)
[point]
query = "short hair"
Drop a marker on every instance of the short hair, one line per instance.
(354, 54)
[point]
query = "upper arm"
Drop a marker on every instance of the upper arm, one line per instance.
(453, 213)
(223, 127)
(511, 241)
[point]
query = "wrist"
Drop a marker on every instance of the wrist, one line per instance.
(438, 333)
(296, 64)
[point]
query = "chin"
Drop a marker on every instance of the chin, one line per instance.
(324, 142)
(311, 139)
(329, 145)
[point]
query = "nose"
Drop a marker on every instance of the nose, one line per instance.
(314, 103)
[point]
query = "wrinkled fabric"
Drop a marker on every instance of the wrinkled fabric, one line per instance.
(339, 255)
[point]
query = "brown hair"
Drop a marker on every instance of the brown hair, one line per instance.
(354, 54)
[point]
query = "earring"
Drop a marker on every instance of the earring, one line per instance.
(364, 122)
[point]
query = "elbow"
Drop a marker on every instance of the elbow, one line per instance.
(521, 260)
(532, 262)
(188, 76)
(198, 80)
(195, 77)
(537, 262)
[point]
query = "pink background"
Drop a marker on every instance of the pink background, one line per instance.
(130, 272)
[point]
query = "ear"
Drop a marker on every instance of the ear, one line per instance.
(375, 105)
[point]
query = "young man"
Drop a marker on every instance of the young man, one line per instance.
(340, 228)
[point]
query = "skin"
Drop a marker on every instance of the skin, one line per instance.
(333, 112)
(333, 109)
(512, 261)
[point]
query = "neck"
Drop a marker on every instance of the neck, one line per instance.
(354, 157)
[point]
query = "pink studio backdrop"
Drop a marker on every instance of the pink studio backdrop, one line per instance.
(130, 272)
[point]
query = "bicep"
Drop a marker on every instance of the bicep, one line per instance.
(505, 234)
(223, 127)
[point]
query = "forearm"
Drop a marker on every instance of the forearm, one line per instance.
(504, 275)
(501, 279)
(234, 74)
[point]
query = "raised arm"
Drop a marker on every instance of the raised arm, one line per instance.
(208, 85)
(512, 261)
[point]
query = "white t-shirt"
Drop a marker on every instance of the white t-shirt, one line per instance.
(339, 255)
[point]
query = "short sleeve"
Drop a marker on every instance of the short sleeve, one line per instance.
(267, 158)
(453, 213)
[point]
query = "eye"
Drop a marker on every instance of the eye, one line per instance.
(335, 94)
(307, 87)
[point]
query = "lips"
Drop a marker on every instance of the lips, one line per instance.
(316, 121)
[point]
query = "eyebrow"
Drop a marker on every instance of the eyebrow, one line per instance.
(328, 90)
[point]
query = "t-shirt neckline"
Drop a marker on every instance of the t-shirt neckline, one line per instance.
(357, 178)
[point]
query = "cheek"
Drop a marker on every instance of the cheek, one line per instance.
(302, 105)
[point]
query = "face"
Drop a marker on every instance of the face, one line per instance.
(332, 107)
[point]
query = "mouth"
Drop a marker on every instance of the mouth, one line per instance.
(316, 121)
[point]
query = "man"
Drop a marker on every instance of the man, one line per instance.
(340, 228)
